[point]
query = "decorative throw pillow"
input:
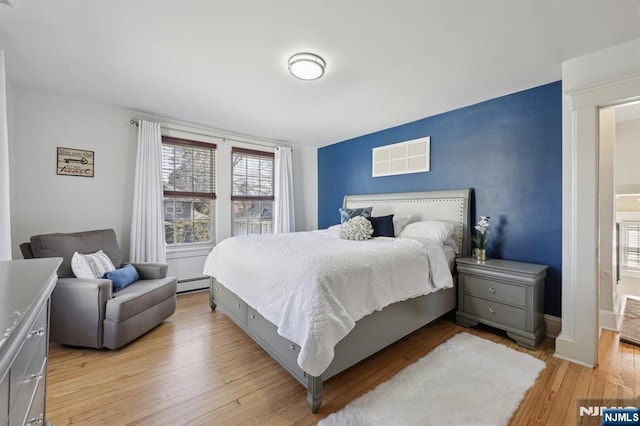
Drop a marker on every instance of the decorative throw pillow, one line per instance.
(382, 226)
(120, 278)
(346, 214)
(93, 265)
(356, 228)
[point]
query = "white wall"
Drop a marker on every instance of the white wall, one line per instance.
(626, 172)
(9, 102)
(627, 152)
(43, 202)
(606, 217)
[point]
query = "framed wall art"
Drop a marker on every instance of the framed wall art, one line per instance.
(74, 162)
(402, 158)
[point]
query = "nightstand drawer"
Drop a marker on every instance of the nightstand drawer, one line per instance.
(495, 290)
(495, 312)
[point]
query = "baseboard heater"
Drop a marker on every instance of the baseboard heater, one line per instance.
(185, 287)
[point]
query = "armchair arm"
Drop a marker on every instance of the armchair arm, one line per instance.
(151, 271)
(77, 310)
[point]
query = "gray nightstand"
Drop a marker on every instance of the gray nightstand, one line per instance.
(503, 294)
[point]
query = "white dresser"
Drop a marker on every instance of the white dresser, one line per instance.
(25, 289)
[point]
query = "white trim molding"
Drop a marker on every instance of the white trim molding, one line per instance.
(578, 340)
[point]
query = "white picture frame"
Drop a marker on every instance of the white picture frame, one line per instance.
(402, 158)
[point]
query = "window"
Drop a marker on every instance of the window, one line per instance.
(252, 193)
(188, 177)
(631, 245)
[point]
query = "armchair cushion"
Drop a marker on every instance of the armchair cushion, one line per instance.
(139, 296)
(122, 277)
(64, 245)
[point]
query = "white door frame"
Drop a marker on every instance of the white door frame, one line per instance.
(578, 340)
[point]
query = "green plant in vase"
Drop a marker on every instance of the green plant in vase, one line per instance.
(482, 238)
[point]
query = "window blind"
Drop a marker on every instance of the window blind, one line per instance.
(252, 175)
(631, 245)
(188, 168)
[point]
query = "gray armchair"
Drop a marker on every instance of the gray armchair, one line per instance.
(87, 312)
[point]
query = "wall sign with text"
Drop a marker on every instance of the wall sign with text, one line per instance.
(75, 162)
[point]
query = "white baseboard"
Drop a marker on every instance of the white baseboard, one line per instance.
(611, 320)
(554, 325)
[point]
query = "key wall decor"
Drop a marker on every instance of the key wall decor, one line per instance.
(74, 162)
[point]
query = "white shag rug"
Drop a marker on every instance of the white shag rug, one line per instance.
(466, 380)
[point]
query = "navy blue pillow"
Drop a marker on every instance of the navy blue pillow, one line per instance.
(382, 226)
(346, 214)
(120, 278)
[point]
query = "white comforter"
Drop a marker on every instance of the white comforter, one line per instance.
(314, 286)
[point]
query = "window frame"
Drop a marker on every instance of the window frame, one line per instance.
(625, 237)
(191, 196)
(257, 153)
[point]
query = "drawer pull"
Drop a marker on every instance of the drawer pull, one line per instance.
(217, 288)
(491, 310)
(492, 290)
(39, 332)
(293, 347)
(237, 305)
(36, 376)
(34, 421)
(252, 316)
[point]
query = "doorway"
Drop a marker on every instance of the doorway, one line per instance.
(627, 199)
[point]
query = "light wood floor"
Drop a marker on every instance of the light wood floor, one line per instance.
(199, 368)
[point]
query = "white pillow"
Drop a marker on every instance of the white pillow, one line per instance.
(434, 230)
(452, 243)
(399, 222)
(93, 265)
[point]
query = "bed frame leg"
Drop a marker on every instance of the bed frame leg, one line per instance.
(212, 304)
(314, 392)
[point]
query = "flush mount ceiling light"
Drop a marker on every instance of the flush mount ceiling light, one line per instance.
(306, 66)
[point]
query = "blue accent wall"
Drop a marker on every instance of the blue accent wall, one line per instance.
(508, 149)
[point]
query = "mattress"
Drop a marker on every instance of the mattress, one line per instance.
(314, 286)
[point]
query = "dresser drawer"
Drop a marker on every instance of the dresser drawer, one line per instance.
(4, 399)
(495, 312)
(231, 303)
(495, 290)
(27, 395)
(28, 363)
(35, 416)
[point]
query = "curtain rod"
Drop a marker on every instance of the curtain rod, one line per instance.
(211, 134)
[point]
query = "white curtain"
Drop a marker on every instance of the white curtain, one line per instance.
(147, 224)
(283, 213)
(5, 210)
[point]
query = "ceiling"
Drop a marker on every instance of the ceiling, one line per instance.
(222, 63)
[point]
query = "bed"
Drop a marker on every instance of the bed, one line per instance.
(371, 332)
